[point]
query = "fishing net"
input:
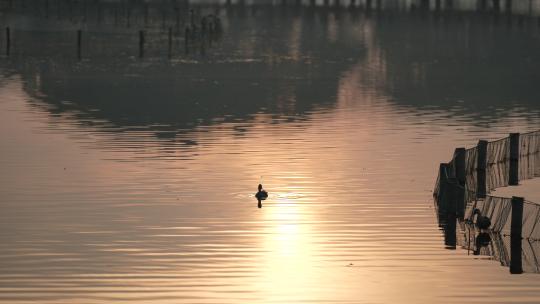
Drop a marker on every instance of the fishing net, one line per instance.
(471, 156)
(531, 217)
(529, 155)
(498, 209)
(498, 164)
(499, 247)
(531, 256)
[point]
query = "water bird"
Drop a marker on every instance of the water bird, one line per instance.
(482, 240)
(261, 194)
(482, 222)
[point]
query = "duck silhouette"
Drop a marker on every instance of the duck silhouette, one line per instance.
(482, 222)
(261, 194)
(482, 240)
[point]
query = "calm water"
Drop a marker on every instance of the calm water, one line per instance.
(133, 180)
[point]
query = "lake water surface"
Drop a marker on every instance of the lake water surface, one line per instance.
(132, 180)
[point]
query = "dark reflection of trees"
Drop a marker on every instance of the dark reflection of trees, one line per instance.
(269, 61)
(469, 60)
(279, 60)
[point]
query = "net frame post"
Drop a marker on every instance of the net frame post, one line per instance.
(461, 175)
(516, 266)
(513, 172)
(481, 164)
(442, 201)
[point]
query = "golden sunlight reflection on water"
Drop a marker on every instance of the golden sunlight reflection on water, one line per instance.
(356, 226)
(134, 181)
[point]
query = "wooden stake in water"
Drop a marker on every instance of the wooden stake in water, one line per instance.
(452, 192)
(442, 196)
(128, 12)
(459, 165)
(481, 169)
(8, 40)
(177, 11)
(460, 174)
(516, 224)
(513, 179)
(515, 235)
(79, 39)
(141, 44)
(145, 14)
(496, 6)
(508, 6)
(170, 43)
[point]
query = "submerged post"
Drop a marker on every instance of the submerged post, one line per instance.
(508, 7)
(496, 6)
(443, 188)
(481, 169)
(170, 43)
(141, 44)
(177, 11)
(461, 175)
(517, 216)
(79, 38)
(448, 190)
(513, 179)
(449, 227)
(453, 191)
(368, 5)
(515, 235)
(145, 13)
(459, 165)
(8, 41)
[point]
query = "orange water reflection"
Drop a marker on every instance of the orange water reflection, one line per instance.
(157, 206)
